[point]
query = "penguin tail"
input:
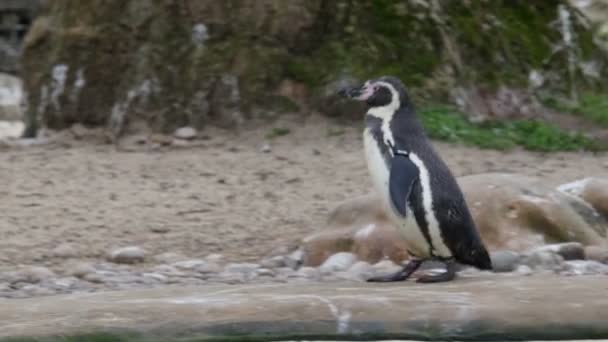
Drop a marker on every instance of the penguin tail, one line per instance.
(479, 258)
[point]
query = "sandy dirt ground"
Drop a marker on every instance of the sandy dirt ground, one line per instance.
(227, 196)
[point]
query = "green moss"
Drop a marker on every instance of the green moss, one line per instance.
(446, 123)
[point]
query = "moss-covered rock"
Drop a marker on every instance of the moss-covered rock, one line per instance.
(172, 63)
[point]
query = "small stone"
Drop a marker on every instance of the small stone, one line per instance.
(36, 290)
(95, 278)
(596, 253)
(127, 255)
(568, 251)
(198, 265)
(185, 133)
(156, 276)
(189, 264)
(216, 258)
(168, 257)
(66, 282)
(308, 273)
(265, 272)
(159, 229)
(266, 148)
(160, 139)
(78, 130)
(64, 251)
(584, 267)
(169, 271)
(232, 278)
(34, 274)
(80, 269)
(523, 270)
(504, 261)
(242, 268)
(295, 259)
(543, 260)
(274, 262)
(360, 271)
(338, 262)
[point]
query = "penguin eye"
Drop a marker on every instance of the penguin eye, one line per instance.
(375, 88)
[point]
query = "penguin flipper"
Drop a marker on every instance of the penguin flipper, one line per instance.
(403, 174)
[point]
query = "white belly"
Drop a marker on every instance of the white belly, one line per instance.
(379, 173)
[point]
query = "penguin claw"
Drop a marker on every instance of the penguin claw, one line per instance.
(448, 275)
(436, 278)
(399, 276)
(402, 275)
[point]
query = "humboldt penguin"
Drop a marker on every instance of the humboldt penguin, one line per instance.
(421, 194)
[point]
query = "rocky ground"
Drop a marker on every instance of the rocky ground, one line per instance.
(222, 208)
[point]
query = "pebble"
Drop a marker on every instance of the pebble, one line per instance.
(596, 253)
(185, 133)
(216, 258)
(543, 260)
(189, 264)
(168, 257)
(311, 273)
(265, 272)
(127, 255)
(584, 267)
(242, 268)
(64, 250)
(504, 261)
(338, 262)
(568, 251)
(274, 262)
(33, 274)
(523, 270)
(360, 271)
(80, 269)
(95, 278)
(156, 276)
(295, 259)
(266, 148)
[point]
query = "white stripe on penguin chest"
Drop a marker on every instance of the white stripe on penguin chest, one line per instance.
(379, 173)
(408, 226)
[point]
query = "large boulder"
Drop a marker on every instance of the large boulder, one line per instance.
(187, 63)
(512, 212)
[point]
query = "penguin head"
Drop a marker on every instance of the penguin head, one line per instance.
(379, 92)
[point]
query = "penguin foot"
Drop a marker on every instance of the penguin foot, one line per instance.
(402, 275)
(448, 275)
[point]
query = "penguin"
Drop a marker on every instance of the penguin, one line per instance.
(419, 191)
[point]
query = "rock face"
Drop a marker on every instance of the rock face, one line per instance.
(518, 213)
(11, 97)
(188, 63)
(512, 213)
(469, 309)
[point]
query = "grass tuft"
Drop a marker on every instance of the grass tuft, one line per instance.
(447, 124)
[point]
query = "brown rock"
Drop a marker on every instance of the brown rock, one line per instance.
(518, 213)
(361, 227)
(596, 253)
(512, 212)
(593, 191)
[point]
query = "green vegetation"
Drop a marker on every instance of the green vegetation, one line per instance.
(593, 107)
(446, 123)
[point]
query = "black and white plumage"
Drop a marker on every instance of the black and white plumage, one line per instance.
(416, 185)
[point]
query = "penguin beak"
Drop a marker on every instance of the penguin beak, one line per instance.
(351, 92)
(359, 93)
